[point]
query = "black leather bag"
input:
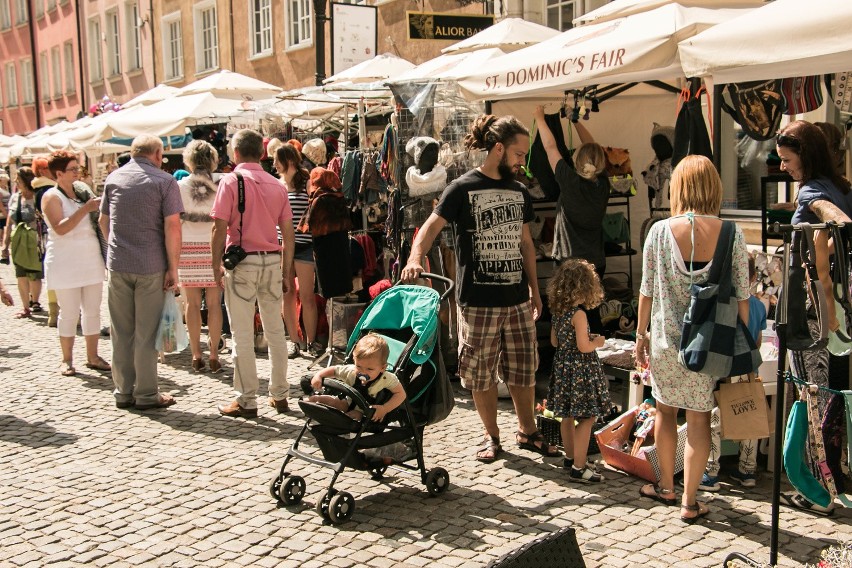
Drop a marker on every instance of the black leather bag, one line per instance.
(798, 333)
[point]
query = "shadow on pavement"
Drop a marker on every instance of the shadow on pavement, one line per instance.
(217, 426)
(13, 353)
(32, 434)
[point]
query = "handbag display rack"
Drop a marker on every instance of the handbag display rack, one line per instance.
(781, 320)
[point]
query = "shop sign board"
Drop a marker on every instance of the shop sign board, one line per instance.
(354, 35)
(446, 26)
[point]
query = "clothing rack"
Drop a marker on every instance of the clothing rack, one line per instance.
(786, 232)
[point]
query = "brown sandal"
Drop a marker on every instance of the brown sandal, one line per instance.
(530, 444)
(67, 369)
(489, 450)
(655, 492)
(99, 364)
(700, 510)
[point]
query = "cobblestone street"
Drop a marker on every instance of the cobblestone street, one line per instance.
(84, 483)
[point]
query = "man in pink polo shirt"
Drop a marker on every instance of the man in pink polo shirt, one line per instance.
(258, 276)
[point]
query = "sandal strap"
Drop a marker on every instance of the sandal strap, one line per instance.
(532, 438)
(662, 491)
(692, 508)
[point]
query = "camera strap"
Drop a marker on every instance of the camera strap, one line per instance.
(241, 201)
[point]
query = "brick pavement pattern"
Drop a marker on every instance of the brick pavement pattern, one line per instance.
(85, 484)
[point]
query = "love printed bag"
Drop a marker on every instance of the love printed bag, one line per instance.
(743, 411)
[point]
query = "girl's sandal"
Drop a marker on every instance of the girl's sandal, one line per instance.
(489, 450)
(700, 510)
(23, 314)
(655, 492)
(535, 442)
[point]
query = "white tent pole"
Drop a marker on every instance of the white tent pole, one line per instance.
(362, 123)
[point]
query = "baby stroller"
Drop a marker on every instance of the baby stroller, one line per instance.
(407, 317)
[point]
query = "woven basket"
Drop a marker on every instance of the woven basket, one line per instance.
(556, 550)
(549, 428)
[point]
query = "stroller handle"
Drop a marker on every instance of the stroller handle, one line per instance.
(447, 282)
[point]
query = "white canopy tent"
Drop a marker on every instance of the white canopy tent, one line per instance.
(228, 84)
(152, 95)
(449, 65)
(621, 8)
(784, 38)
(640, 47)
(509, 34)
(376, 69)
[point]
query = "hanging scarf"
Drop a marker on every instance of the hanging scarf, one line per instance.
(424, 184)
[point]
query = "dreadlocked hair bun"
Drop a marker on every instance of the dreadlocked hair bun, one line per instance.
(481, 137)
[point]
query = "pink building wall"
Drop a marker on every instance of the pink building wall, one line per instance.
(55, 43)
(15, 49)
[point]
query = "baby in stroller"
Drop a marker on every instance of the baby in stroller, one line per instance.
(368, 376)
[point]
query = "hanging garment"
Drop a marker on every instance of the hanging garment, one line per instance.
(336, 165)
(799, 473)
(757, 107)
(350, 175)
(801, 94)
(370, 257)
(428, 184)
(539, 164)
(333, 263)
(833, 425)
(691, 135)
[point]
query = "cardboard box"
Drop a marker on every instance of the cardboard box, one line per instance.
(616, 434)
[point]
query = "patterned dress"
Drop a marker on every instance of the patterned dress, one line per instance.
(578, 387)
(666, 280)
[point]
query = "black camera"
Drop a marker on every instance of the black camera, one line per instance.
(234, 255)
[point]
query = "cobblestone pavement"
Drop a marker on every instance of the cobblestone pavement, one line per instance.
(83, 483)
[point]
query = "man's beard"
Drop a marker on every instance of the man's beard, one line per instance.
(505, 171)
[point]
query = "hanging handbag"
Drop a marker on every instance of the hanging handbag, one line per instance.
(715, 341)
(799, 336)
(24, 243)
(743, 412)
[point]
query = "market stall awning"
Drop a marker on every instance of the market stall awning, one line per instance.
(376, 69)
(153, 95)
(509, 34)
(622, 8)
(228, 84)
(641, 47)
(173, 115)
(449, 66)
(784, 38)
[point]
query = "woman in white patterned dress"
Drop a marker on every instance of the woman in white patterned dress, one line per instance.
(674, 248)
(195, 269)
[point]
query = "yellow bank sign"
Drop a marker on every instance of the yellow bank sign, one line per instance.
(446, 26)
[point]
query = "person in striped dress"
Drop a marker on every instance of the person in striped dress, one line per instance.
(195, 270)
(288, 163)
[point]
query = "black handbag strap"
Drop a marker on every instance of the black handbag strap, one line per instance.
(241, 201)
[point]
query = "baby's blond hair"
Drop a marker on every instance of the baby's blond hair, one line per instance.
(371, 345)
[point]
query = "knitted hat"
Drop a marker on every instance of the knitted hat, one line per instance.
(295, 144)
(314, 150)
(416, 145)
(273, 146)
(323, 178)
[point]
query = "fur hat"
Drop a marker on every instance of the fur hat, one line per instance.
(314, 150)
(416, 145)
(273, 146)
(322, 178)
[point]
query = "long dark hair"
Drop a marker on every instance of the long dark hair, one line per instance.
(287, 154)
(811, 145)
(487, 130)
(27, 175)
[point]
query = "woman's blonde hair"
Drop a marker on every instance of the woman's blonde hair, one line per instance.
(695, 186)
(201, 155)
(575, 283)
(590, 153)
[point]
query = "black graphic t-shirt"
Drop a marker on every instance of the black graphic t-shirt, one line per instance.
(488, 216)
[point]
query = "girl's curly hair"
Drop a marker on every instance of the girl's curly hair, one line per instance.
(574, 283)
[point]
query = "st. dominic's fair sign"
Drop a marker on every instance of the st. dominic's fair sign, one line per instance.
(447, 26)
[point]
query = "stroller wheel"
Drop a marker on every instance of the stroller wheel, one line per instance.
(323, 502)
(274, 487)
(341, 507)
(292, 491)
(437, 481)
(378, 472)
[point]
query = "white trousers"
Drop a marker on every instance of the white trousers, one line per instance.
(74, 300)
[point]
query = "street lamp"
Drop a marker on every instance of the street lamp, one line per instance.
(320, 19)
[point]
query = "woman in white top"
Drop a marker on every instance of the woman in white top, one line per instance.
(195, 269)
(73, 262)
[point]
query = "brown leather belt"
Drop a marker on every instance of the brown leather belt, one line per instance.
(264, 252)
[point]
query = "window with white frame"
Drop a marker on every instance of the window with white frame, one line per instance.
(27, 84)
(56, 64)
(133, 34)
(11, 85)
(5, 15)
(206, 36)
(113, 44)
(96, 53)
(22, 12)
(560, 14)
(299, 18)
(172, 46)
(260, 16)
(70, 70)
(44, 76)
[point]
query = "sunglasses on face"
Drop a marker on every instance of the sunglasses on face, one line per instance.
(790, 141)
